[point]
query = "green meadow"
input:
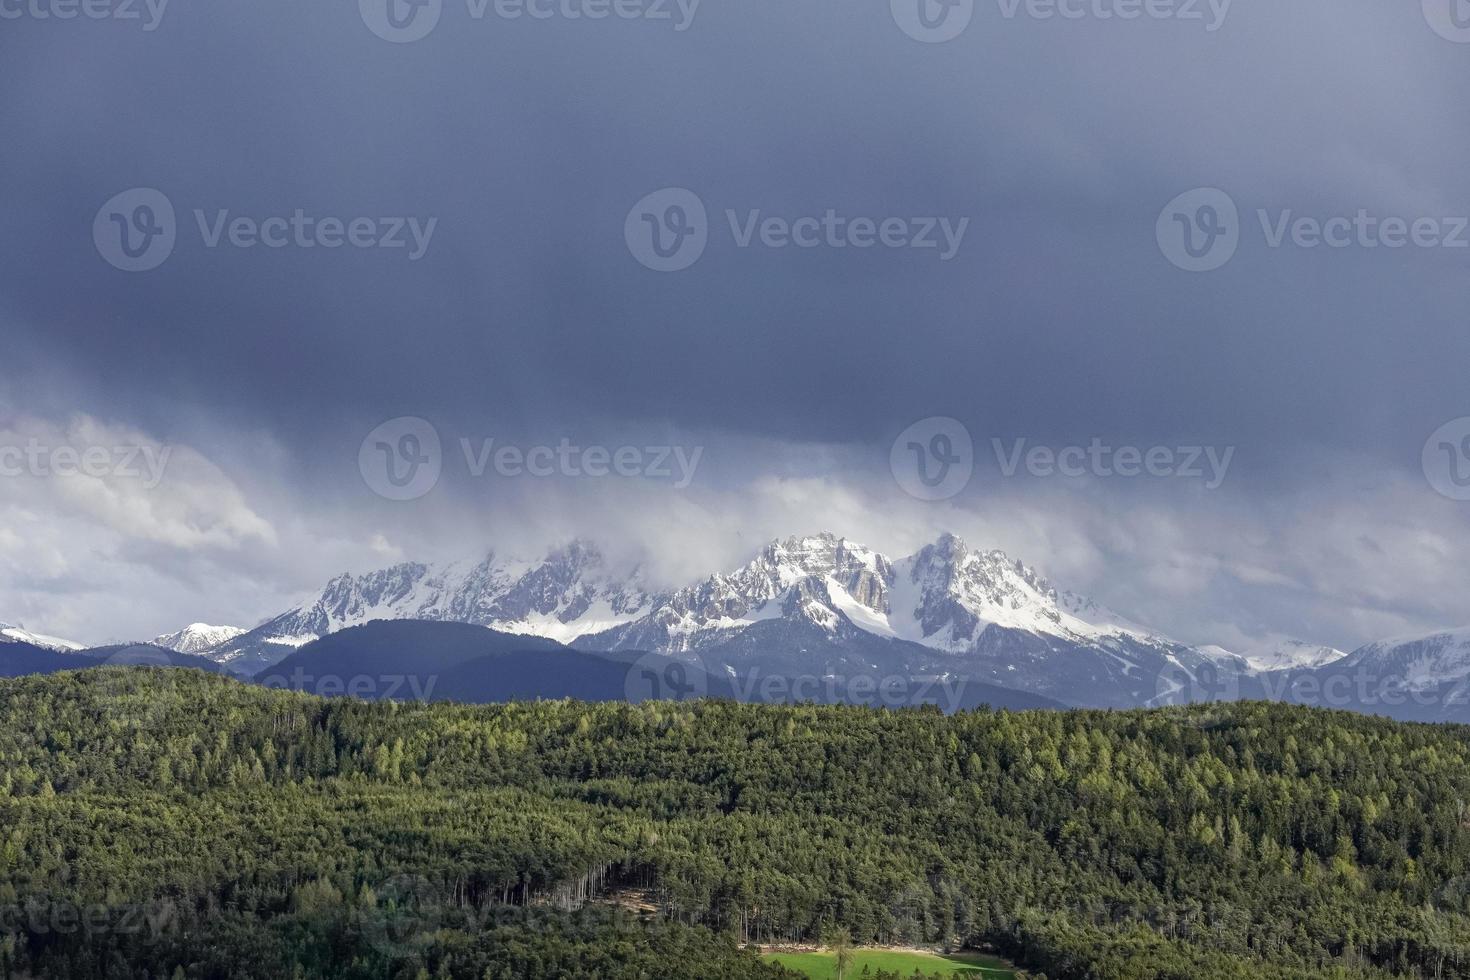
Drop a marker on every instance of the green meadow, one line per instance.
(823, 966)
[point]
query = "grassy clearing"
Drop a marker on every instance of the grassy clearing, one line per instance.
(823, 966)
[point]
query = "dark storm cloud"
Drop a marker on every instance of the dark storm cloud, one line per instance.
(530, 140)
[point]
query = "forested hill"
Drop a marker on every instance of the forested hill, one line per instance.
(206, 828)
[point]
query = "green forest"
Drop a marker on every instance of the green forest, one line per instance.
(171, 824)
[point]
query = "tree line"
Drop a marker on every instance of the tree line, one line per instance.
(249, 829)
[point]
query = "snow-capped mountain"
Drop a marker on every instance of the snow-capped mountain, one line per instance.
(944, 597)
(197, 638)
(1424, 677)
(824, 607)
(805, 604)
(1279, 655)
(568, 594)
(1414, 663)
(824, 603)
(1290, 655)
(16, 634)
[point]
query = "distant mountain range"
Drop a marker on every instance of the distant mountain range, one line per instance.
(832, 612)
(15, 634)
(18, 658)
(818, 604)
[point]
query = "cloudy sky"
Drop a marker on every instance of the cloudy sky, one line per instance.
(496, 174)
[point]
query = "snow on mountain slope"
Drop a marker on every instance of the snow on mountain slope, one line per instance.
(820, 603)
(568, 594)
(786, 580)
(1291, 655)
(17, 634)
(945, 598)
(1414, 663)
(197, 638)
(823, 603)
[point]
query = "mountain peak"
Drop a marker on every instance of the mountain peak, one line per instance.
(948, 543)
(577, 550)
(197, 638)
